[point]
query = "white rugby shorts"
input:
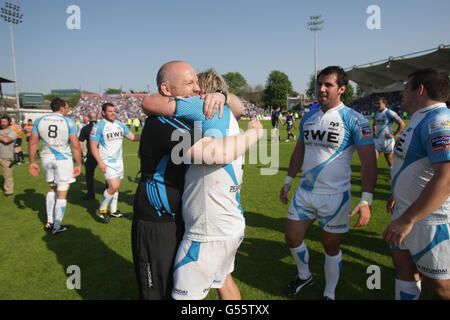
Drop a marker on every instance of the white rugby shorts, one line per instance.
(200, 266)
(429, 246)
(58, 171)
(114, 169)
(331, 210)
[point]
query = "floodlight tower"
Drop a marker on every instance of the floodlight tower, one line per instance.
(315, 24)
(11, 14)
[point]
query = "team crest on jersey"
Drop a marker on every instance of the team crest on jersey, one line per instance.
(366, 132)
(439, 125)
(440, 143)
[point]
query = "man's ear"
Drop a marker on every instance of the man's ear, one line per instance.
(165, 89)
(342, 89)
(421, 90)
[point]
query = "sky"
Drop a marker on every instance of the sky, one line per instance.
(122, 44)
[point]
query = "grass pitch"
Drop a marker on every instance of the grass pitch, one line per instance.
(36, 265)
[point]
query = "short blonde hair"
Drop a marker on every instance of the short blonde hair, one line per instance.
(210, 81)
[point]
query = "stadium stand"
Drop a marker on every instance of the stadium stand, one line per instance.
(253, 111)
(369, 104)
(128, 106)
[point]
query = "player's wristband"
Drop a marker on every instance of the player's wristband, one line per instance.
(224, 94)
(366, 198)
(288, 181)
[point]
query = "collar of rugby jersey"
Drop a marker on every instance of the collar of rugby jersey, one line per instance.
(419, 112)
(332, 109)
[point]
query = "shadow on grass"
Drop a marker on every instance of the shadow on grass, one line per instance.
(268, 266)
(34, 201)
(105, 275)
(92, 205)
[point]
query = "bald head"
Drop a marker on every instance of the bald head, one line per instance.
(177, 78)
(92, 116)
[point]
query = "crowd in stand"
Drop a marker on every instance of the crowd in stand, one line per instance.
(253, 111)
(129, 107)
(369, 104)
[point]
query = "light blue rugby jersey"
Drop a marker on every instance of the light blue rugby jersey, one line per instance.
(330, 139)
(211, 199)
(425, 141)
(54, 130)
(383, 121)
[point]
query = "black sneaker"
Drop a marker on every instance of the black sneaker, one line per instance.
(57, 231)
(294, 286)
(48, 226)
(326, 298)
(104, 217)
(118, 214)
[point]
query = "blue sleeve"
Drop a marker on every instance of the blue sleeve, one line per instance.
(361, 130)
(35, 126)
(124, 127)
(393, 116)
(72, 127)
(435, 137)
(191, 110)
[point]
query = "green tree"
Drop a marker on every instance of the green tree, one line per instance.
(254, 95)
(235, 81)
(348, 95)
(51, 96)
(278, 88)
(73, 100)
(113, 91)
(311, 92)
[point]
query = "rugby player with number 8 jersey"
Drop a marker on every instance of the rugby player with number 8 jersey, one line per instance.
(57, 133)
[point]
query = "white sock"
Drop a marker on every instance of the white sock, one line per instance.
(60, 208)
(332, 270)
(114, 199)
(407, 290)
(301, 257)
(106, 199)
(50, 205)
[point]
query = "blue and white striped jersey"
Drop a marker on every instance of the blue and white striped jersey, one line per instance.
(109, 136)
(425, 141)
(383, 121)
(330, 139)
(54, 130)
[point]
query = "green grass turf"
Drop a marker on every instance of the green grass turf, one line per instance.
(33, 263)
